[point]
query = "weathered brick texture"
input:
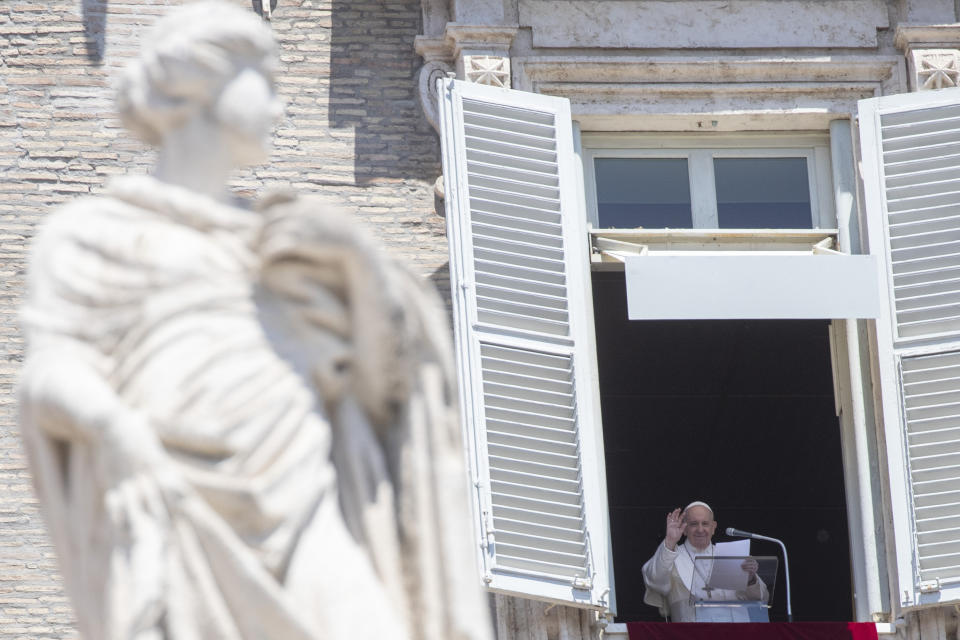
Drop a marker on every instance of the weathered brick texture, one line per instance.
(352, 131)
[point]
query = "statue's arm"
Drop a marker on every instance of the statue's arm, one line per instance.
(63, 389)
(64, 396)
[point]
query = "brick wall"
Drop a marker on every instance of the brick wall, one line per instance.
(352, 130)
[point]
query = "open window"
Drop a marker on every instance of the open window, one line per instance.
(520, 255)
(758, 181)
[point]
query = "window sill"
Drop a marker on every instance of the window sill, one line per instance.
(608, 246)
(618, 630)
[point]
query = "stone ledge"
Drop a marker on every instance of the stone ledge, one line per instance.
(740, 94)
(929, 36)
(463, 38)
(708, 70)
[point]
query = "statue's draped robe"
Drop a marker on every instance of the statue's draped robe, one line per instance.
(288, 464)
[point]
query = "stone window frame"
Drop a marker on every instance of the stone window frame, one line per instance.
(701, 150)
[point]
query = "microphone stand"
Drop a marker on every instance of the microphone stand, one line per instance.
(786, 568)
(786, 563)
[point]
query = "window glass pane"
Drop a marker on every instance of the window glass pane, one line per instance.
(643, 192)
(763, 193)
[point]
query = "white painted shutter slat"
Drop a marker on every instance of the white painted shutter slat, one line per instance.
(929, 244)
(912, 190)
(510, 174)
(518, 269)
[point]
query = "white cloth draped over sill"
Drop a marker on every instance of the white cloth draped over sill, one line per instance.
(616, 245)
(290, 462)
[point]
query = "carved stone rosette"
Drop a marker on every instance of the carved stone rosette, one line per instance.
(490, 70)
(933, 55)
(934, 68)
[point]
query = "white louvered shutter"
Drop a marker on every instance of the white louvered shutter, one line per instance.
(519, 267)
(911, 168)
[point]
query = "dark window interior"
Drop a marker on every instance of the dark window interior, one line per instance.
(739, 414)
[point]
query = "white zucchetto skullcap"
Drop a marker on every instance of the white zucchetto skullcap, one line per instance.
(697, 503)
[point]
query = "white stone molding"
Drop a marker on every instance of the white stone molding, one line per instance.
(932, 53)
(716, 93)
(427, 88)
(489, 70)
(475, 48)
(478, 53)
(433, 48)
(463, 39)
(927, 36)
(468, 38)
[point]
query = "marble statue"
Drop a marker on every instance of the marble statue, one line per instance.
(240, 420)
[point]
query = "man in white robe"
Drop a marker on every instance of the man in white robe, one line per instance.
(671, 576)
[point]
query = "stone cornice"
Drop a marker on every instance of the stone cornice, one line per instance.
(927, 36)
(490, 34)
(433, 49)
(717, 93)
(458, 38)
(709, 70)
(485, 38)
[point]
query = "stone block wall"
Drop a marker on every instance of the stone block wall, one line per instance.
(352, 130)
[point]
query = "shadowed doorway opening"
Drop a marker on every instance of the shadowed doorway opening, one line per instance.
(738, 413)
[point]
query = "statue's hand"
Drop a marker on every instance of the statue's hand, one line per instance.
(67, 399)
(65, 396)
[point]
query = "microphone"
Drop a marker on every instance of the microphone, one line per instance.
(737, 533)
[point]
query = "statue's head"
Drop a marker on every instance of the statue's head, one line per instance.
(211, 60)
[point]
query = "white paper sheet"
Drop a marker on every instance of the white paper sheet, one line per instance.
(727, 573)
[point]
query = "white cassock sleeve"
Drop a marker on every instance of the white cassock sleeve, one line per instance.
(658, 578)
(755, 592)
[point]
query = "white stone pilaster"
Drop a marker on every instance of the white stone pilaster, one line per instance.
(933, 55)
(482, 52)
(478, 53)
